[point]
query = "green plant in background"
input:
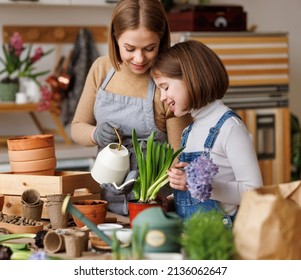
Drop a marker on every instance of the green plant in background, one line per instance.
(152, 166)
(206, 238)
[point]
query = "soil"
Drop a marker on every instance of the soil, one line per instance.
(88, 202)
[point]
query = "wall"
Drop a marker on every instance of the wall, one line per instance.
(20, 123)
(267, 15)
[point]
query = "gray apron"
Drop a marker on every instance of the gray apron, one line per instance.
(129, 113)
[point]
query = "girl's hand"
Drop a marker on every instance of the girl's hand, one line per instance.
(177, 176)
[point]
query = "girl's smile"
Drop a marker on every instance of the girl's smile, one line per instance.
(174, 94)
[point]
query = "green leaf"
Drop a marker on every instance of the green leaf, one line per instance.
(16, 236)
(152, 164)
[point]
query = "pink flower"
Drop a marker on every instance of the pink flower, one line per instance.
(37, 55)
(45, 101)
(16, 44)
(16, 65)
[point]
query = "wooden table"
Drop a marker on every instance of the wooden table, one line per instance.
(32, 109)
(91, 254)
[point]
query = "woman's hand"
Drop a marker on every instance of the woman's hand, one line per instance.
(104, 134)
(177, 176)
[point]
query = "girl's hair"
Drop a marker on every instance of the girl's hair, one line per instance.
(130, 15)
(201, 70)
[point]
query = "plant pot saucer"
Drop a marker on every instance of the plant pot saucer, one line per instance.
(12, 228)
(99, 245)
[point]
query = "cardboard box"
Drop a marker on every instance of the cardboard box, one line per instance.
(80, 185)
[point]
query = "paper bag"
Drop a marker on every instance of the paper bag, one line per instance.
(268, 223)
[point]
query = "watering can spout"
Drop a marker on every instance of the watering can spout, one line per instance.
(129, 182)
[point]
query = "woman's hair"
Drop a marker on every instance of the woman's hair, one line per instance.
(201, 70)
(130, 15)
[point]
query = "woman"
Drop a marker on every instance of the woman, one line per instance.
(120, 93)
(192, 78)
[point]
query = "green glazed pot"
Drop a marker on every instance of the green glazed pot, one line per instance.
(8, 91)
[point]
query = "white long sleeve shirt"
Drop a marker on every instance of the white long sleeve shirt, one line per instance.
(232, 151)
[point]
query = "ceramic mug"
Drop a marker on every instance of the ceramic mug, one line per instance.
(124, 235)
(111, 165)
(21, 98)
(109, 228)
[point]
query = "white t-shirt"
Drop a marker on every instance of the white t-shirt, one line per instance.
(233, 152)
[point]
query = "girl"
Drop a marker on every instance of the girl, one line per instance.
(192, 78)
(120, 93)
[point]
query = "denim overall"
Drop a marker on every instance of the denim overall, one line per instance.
(128, 112)
(185, 204)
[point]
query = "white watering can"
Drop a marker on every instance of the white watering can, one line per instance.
(112, 164)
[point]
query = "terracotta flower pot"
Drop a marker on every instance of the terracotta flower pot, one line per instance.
(49, 172)
(33, 154)
(33, 165)
(30, 142)
(95, 210)
(136, 207)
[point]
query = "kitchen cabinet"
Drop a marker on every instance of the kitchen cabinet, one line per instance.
(258, 69)
(270, 128)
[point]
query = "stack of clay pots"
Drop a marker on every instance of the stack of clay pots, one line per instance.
(33, 154)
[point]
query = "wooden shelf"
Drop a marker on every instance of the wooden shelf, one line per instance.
(32, 109)
(56, 34)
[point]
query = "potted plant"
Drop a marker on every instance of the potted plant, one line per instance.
(17, 66)
(152, 165)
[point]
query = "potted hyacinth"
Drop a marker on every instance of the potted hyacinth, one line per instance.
(152, 166)
(18, 63)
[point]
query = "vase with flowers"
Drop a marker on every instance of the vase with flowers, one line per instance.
(19, 64)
